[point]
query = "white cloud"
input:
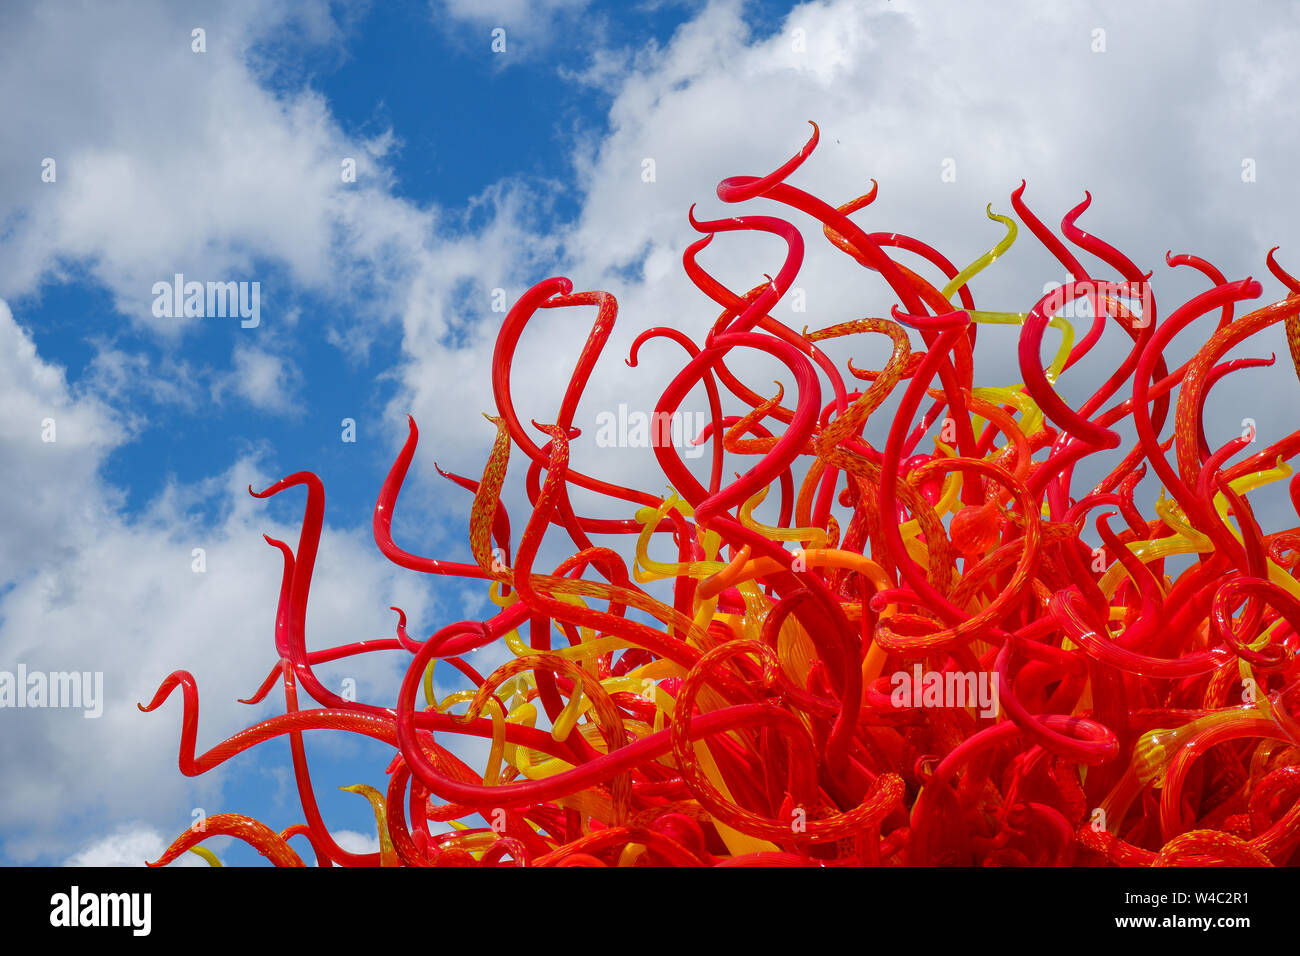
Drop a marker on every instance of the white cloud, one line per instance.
(507, 11)
(95, 590)
(173, 161)
(354, 842)
(130, 845)
(536, 22)
(52, 444)
(114, 375)
(264, 380)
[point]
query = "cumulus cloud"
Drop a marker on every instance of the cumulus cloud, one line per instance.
(263, 379)
(167, 160)
(186, 583)
(129, 845)
(506, 11)
(355, 842)
(530, 26)
(52, 443)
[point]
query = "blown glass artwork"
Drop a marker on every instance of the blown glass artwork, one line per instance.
(788, 698)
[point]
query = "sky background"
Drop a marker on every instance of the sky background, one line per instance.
(480, 170)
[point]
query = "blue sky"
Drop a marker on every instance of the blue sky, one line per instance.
(476, 170)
